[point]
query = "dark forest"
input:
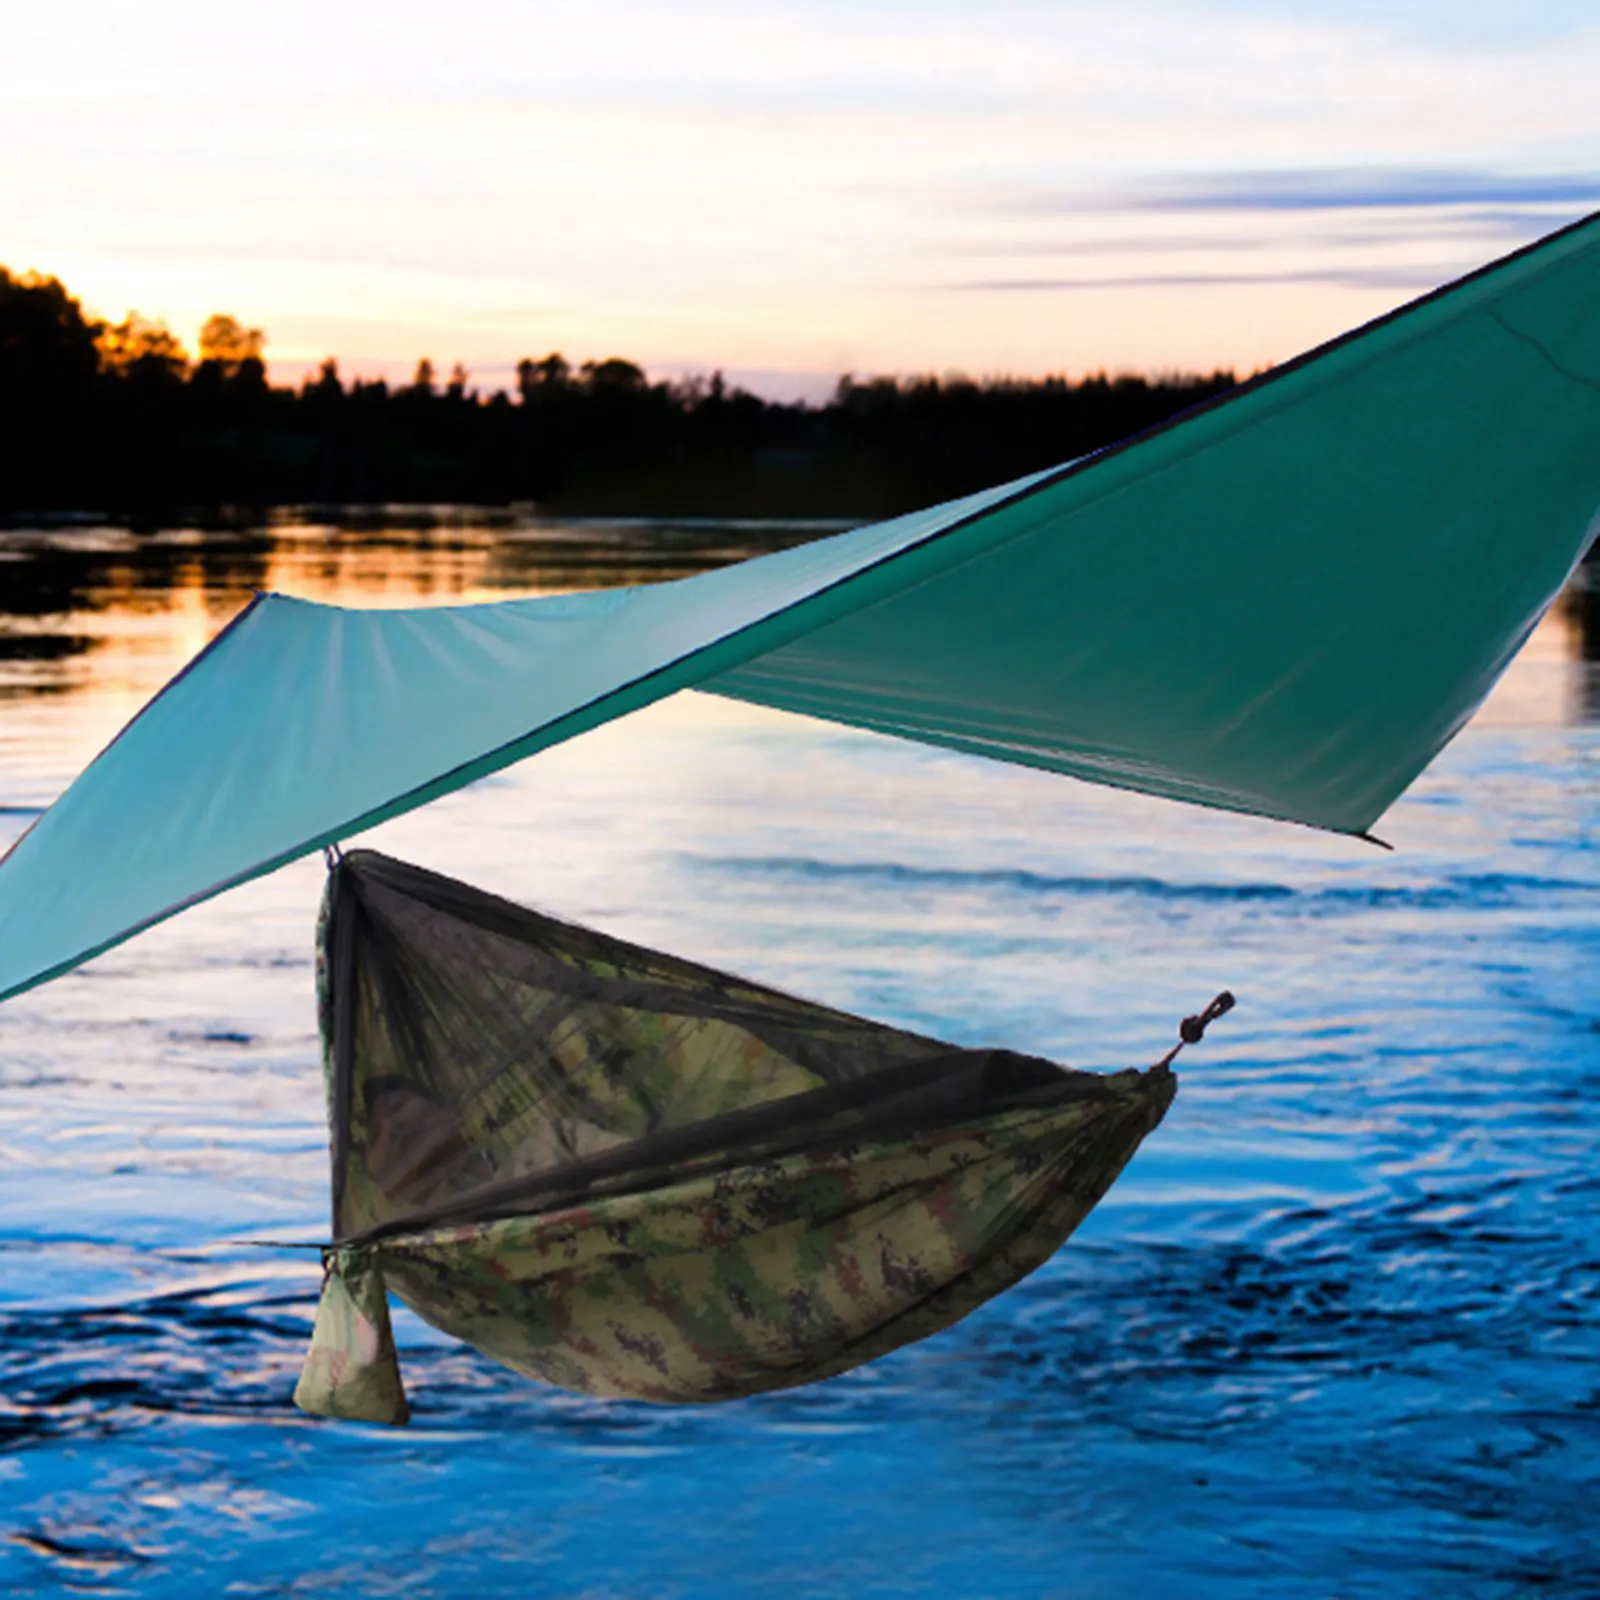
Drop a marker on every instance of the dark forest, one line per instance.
(121, 420)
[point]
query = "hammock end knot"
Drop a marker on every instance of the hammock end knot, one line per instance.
(1193, 1029)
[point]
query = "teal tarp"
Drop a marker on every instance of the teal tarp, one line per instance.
(1285, 603)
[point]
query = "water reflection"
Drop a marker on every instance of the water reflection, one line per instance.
(1582, 600)
(101, 610)
(98, 609)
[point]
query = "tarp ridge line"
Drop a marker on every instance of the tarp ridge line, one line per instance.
(1556, 364)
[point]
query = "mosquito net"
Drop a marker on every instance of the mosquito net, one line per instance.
(626, 1173)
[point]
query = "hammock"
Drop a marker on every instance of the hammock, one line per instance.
(618, 1172)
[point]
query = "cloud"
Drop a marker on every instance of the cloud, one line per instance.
(1340, 232)
(1405, 278)
(1363, 188)
(777, 186)
(1366, 228)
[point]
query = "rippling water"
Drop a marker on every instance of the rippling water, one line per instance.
(1336, 1332)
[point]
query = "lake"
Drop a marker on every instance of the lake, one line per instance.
(1335, 1332)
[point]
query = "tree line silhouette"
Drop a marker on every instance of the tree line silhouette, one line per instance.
(121, 419)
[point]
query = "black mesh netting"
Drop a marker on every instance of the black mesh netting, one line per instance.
(486, 1060)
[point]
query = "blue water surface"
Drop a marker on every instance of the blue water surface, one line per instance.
(1336, 1331)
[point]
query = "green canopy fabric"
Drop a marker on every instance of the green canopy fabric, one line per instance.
(1284, 603)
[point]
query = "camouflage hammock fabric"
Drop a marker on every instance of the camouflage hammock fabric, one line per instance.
(619, 1172)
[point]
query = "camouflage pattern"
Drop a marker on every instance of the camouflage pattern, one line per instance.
(419, 1134)
(750, 1278)
(351, 1369)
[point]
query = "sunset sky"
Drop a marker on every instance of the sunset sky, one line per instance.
(786, 190)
